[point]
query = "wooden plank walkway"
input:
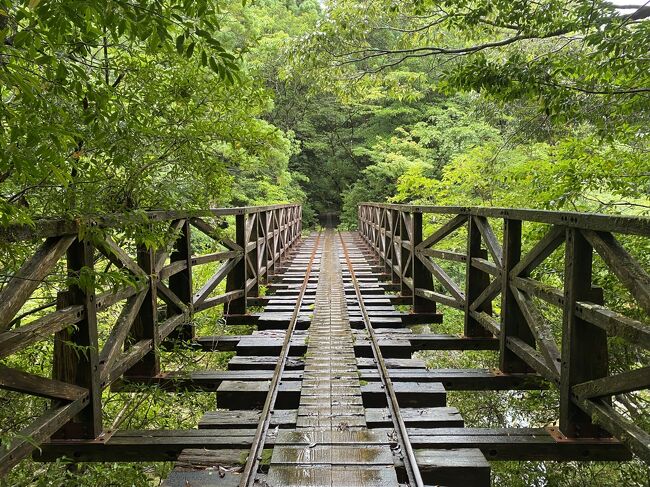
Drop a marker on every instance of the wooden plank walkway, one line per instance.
(330, 424)
(331, 444)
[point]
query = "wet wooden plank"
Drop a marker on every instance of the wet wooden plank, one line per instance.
(496, 444)
(332, 455)
(323, 476)
(250, 395)
(454, 467)
(441, 417)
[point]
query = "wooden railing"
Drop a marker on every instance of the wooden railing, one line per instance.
(156, 304)
(420, 246)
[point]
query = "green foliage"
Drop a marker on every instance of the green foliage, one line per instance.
(577, 59)
(112, 106)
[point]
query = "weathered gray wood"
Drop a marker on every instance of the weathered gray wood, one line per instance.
(615, 324)
(120, 258)
(438, 417)
(174, 304)
(445, 230)
(226, 297)
(16, 380)
(206, 228)
(513, 322)
(532, 358)
(81, 369)
(444, 279)
(38, 431)
(214, 257)
(237, 276)
(454, 467)
(13, 340)
(215, 279)
(30, 276)
(496, 444)
(251, 395)
(620, 383)
(581, 220)
(115, 341)
(422, 278)
(634, 437)
(623, 265)
(490, 239)
(535, 288)
(439, 298)
(444, 254)
(488, 322)
(145, 326)
(540, 328)
(584, 346)
(127, 360)
(488, 293)
(542, 249)
(180, 284)
(486, 266)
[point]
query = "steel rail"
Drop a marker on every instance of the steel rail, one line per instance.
(410, 462)
(255, 455)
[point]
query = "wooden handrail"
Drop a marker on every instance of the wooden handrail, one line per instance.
(624, 224)
(55, 227)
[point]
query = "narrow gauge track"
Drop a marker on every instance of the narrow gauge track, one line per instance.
(410, 462)
(255, 455)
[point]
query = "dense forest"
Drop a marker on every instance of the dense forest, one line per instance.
(115, 106)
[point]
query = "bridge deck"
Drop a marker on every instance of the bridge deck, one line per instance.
(331, 424)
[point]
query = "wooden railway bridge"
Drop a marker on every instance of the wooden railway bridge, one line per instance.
(326, 390)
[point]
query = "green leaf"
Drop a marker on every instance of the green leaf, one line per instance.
(214, 65)
(180, 40)
(190, 50)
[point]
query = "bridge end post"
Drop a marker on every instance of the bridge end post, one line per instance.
(422, 277)
(406, 249)
(236, 279)
(251, 257)
(513, 322)
(181, 283)
(584, 346)
(76, 356)
(145, 325)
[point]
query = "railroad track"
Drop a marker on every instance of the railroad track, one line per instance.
(326, 391)
(323, 418)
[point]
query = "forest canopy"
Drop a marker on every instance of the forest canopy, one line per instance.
(121, 106)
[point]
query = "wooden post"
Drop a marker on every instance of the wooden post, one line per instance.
(253, 264)
(264, 225)
(145, 326)
(476, 281)
(299, 227)
(584, 346)
(513, 322)
(236, 279)
(76, 350)
(181, 282)
(422, 278)
(405, 252)
(394, 233)
(272, 241)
